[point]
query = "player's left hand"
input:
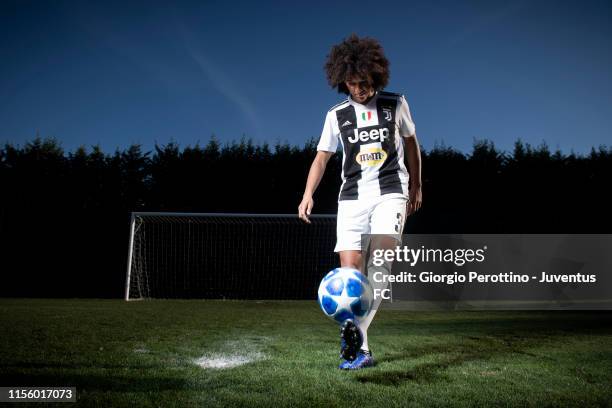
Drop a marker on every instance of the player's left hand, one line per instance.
(415, 199)
(305, 208)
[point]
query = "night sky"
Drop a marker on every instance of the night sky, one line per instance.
(117, 73)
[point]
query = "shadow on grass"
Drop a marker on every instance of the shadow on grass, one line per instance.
(447, 355)
(423, 373)
(482, 340)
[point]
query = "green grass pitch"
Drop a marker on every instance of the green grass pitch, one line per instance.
(146, 354)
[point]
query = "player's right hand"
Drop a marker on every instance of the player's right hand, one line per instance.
(305, 208)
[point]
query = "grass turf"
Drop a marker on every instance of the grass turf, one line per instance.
(143, 354)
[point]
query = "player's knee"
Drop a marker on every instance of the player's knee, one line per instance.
(351, 260)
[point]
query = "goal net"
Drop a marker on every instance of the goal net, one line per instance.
(228, 256)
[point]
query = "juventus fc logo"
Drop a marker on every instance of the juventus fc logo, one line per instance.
(387, 113)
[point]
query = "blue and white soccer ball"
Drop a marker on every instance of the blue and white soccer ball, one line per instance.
(345, 293)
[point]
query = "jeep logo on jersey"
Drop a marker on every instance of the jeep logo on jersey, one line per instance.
(371, 156)
(373, 134)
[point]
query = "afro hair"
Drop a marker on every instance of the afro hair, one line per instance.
(361, 57)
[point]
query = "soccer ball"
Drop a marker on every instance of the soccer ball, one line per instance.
(345, 293)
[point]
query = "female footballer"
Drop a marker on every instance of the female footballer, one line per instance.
(381, 166)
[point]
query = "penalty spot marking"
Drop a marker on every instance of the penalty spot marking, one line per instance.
(221, 361)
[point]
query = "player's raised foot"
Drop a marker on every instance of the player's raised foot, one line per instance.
(351, 340)
(364, 359)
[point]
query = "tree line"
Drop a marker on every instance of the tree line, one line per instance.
(64, 216)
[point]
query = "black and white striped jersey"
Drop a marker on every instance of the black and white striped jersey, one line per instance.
(372, 146)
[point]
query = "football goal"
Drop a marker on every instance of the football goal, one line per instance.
(228, 256)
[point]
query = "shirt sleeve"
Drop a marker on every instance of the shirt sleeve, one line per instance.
(405, 122)
(329, 135)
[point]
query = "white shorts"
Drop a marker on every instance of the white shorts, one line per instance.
(379, 215)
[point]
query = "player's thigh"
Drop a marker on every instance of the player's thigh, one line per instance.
(352, 222)
(388, 218)
(387, 224)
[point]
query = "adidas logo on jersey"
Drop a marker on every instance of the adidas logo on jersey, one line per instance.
(373, 134)
(347, 123)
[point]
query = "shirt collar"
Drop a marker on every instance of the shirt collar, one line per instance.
(371, 101)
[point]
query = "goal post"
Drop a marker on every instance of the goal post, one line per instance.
(228, 256)
(128, 275)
